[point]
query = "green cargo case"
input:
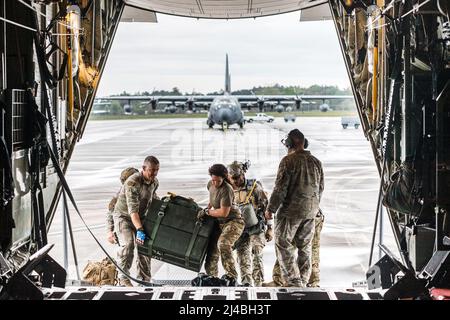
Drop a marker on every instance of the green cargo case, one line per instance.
(175, 234)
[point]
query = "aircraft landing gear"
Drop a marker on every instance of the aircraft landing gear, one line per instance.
(224, 126)
(210, 124)
(241, 125)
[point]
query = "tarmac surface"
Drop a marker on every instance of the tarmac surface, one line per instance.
(186, 148)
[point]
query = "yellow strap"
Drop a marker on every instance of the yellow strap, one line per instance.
(250, 193)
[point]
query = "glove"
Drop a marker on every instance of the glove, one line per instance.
(202, 213)
(269, 234)
(140, 236)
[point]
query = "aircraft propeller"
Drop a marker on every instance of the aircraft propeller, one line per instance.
(260, 102)
(190, 104)
(297, 100)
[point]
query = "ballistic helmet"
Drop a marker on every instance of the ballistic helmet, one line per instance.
(237, 168)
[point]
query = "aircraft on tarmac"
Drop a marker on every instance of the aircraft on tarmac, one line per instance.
(324, 107)
(226, 109)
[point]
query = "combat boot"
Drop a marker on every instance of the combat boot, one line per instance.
(314, 284)
(125, 283)
(270, 284)
(295, 283)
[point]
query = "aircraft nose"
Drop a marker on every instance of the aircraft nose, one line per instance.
(225, 115)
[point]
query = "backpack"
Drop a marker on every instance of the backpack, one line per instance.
(401, 192)
(204, 280)
(100, 273)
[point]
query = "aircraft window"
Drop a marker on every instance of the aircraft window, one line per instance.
(227, 105)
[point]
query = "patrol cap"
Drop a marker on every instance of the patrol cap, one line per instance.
(127, 173)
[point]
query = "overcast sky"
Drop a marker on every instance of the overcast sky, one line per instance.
(190, 54)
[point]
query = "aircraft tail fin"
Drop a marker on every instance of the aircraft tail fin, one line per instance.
(227, 76)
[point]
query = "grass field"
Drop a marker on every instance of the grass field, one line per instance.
(333, 113)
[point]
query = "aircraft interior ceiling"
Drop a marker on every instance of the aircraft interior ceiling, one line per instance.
(219, 9)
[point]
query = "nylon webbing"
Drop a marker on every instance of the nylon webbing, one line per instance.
(156, 226)
(250, 194)
(198, 225)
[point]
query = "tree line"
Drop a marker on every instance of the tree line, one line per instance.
(276, 89)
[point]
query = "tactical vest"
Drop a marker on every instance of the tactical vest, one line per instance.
(247, 204)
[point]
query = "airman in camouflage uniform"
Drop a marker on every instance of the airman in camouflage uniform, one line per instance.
(231, 224)
(109, 215)
(314, 279)
(129, 213)
(252, 241)
(295, 198)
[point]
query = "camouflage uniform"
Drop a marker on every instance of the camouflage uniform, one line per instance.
(135, 196)
(314, 279)
(252, 242)
(109, 214)
(276, 275)
(295, 198)
(124, 175)
(251, 250)
(230, 229)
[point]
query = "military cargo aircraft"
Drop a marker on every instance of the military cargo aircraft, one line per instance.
(226, 109)
(48, 85)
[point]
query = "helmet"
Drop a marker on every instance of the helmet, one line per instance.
(126, 173)
(238, 168)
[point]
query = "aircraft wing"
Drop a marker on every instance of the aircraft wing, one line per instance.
(127, 98)
(159, 98)
(303, 97)
(187, 100)
(245, 100)
(180, 98)
(286, 99)
(325, 97)
(178, 101)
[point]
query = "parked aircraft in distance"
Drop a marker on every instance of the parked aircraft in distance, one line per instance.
(226, 109)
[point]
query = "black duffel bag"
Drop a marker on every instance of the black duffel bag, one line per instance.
(204, 280)
(400, 194)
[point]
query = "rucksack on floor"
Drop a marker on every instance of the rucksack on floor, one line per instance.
(100, 273)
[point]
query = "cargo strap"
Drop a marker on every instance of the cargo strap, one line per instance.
(156, 226)
(197, 227)
(247, 199)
